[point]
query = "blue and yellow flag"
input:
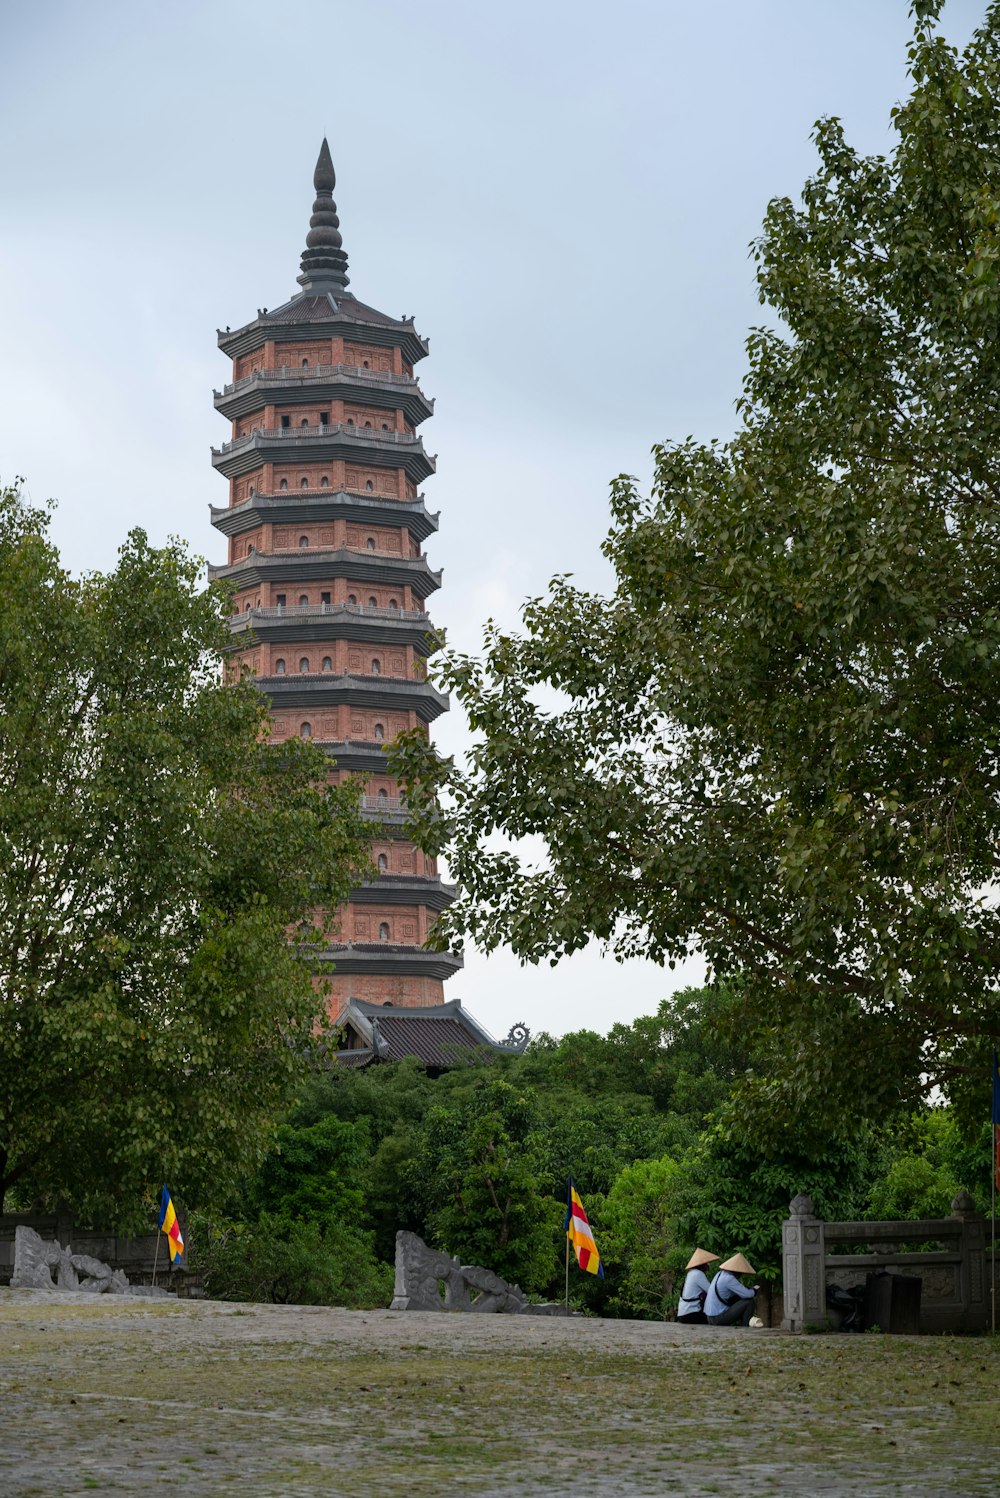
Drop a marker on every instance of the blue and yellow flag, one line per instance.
(579, 1234)
(170, 1226)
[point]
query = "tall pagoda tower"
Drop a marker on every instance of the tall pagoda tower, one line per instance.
(326, 529)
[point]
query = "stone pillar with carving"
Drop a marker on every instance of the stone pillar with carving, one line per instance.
(803, 1267)
(973, 1291)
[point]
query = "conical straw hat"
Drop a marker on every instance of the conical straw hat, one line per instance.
(699, 1257)
(738, 1265)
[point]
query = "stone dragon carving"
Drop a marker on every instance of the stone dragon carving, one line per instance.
(41, 1264)
(428, 1280)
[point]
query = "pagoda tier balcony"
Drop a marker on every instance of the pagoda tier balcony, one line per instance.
(319, 564)
(324, 382)
(314, 506)
(327, 689)
(405, 889)
(328, 443)
(317, 316)
(379, 957)
(336, 621)
(355, 756)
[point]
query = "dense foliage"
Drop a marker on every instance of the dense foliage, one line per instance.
(776, 741)
(476, 1161)
(155, 854)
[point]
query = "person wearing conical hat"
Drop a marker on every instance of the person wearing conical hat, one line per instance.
(729, 1302)
(691, 1306)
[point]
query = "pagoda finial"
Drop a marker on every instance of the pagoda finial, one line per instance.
(324, 260)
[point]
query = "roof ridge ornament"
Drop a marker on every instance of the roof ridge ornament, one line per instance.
(324, 260)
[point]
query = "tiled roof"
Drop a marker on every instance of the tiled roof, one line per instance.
(318, 309)
(437, 1035)
(435, 1042)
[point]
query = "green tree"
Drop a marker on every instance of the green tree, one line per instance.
(155, 856)
(485, 1186)
(639, 1238)
(776, 740)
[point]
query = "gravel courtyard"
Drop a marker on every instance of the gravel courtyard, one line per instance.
(112, 1396)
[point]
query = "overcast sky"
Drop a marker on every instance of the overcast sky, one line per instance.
(561, 193)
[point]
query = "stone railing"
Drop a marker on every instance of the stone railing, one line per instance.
(303, 610)
(383, 803)
(955, 1287)
(331, 429)
(316, 372)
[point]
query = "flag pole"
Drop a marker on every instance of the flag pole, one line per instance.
(156, 1254)
(567, 1274)
(993, 1224)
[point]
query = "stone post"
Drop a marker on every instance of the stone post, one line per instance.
(973, 1290)
(803, 1267)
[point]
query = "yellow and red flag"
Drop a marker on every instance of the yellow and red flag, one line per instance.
(579, 1234)
(170, 1226)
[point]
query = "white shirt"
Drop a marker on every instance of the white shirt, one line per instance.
(695, 1287)
(724, 1290)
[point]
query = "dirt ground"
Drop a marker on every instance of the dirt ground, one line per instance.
(127, 1397)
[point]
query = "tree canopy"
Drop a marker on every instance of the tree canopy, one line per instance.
(156, 854)
(776, 740)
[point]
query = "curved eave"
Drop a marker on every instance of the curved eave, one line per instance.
(336, 624)
(387, 957)
(317, 566)
(318, 692)
(316, 507)
(248, 453)
(405, 396)
(267, 328)
(402, 889)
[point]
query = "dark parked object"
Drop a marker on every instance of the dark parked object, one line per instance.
(849, 1305)
(892, 1303)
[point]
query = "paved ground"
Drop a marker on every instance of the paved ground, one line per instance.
(118, 1397)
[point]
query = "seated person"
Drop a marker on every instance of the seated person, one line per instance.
(729, 1302)
(691, 1306)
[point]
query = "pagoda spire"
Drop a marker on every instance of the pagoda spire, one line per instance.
(324, 260)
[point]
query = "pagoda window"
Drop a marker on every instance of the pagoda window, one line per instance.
(303, 483)
(304, 422)
(364, 364)
(324, 418)
(305, 363)
(324, 482)
(370, 543)
(385, 426)
(379, 733)
(251, 491)
(327, 663)
(324, 599)
(351, 598)
(304, 665)
(305, 731)
(369, 485)
(350, 421)
(280, 600)
(367, 423)
(393, 604)
(376, 668)
(303, 600)
(286, 421)
(373, 602)
(383, 931)
(383, 863)
(303, 542)
(283, 484)
(279, 668)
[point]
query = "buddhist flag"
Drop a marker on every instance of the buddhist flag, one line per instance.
(996, 1121)
(579, 1234)
(170, 1226)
